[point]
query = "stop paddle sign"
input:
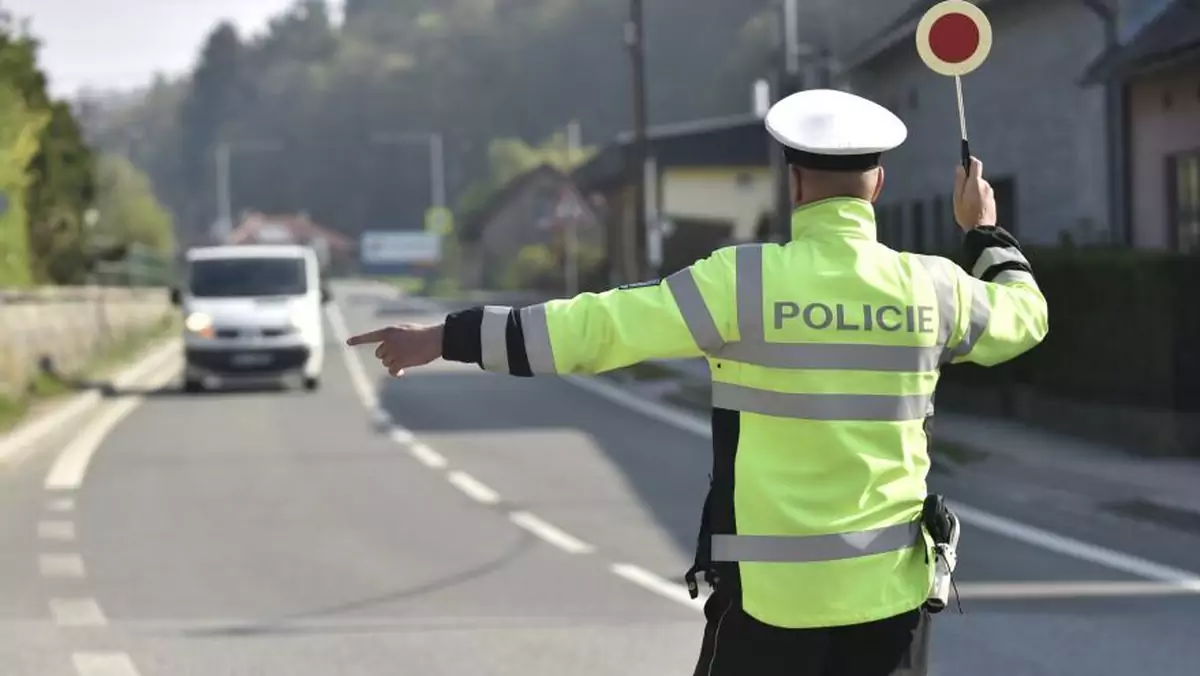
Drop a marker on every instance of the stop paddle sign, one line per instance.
(953, 39)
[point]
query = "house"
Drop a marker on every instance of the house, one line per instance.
(1158, 71)
(530, 209)
(336, 251)
(713, 185)
(1040, 134)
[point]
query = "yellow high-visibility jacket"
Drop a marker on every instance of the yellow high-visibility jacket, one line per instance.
(825, 353)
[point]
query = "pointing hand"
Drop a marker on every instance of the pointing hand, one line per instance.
(404, 346)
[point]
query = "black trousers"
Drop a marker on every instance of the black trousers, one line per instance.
(736, 644)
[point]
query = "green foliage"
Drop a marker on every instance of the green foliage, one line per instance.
(534, 263)
(60, 180)
(508, 158)
(20, 129)
(474, 70)
(129, 212)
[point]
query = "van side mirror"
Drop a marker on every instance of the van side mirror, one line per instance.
(176, 296)
(326, 296)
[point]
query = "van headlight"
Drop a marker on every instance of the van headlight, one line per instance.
(198, 322)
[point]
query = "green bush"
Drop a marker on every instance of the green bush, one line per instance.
(1123, 330)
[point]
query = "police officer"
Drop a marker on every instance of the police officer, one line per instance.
(824, 352)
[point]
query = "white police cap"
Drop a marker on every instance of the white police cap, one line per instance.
(832, 130)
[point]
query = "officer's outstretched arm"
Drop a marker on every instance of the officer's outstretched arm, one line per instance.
(1002, 313)
(597, 332)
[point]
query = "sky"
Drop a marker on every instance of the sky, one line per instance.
(121, 44)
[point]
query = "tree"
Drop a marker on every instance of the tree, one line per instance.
(129, 212)
(61, 180)
(20, 129)
(203, 113)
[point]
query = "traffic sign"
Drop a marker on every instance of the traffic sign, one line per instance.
(439, 220)
(954, 38)
(570, 206)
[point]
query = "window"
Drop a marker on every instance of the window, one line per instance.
(1184, 201)
(247, 277)
(900, 236)
(918, 227)
(937, 226)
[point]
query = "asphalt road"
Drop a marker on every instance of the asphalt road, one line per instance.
(457, 522)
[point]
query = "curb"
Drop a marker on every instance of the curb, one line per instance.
(30, 432)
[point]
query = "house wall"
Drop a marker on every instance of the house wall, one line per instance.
(1164, 111)
(515, 226)
(736, 195)
(1027, 118)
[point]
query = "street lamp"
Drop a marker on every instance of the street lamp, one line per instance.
(437, 160)
(224, 156)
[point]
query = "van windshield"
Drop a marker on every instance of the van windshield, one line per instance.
(247, 277)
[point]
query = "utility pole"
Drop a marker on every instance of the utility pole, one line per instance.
(571, 273)
(635, 241)
(787, 80)
(224, 223)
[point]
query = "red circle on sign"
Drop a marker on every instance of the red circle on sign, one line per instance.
(953, 38)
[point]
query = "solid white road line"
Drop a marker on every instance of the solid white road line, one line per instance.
(15, 446)
(1013, 591)
(1075, 548)
(427, 456)
(473, 488)
(104, 664)
(60, 531)
(60, 565)
(651, 582)
(358, 377)
(69, 469)
(550, 533)
(61, 505)
(77, 613)
(980, 519)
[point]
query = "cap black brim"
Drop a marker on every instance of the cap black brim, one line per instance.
(807, 160)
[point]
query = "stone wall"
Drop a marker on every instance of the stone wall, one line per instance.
(68, 324)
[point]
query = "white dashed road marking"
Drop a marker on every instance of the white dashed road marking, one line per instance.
(104, 664)
(77, 613)
(550, 533)
(61, 505)
(651, 582)
(59, 531)
(474, 489)
(60, 565)
(428, 457)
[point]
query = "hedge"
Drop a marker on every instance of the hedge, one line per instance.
(1124, 330)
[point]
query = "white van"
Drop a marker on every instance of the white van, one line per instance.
(252, 312)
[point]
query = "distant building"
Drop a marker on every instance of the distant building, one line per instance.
(1158, 69)
(1039, 132)
(335, 250)
(714, 186)
(530, 209)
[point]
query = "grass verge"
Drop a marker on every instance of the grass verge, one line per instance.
(105, 362)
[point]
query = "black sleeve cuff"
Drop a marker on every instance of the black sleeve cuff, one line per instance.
(461, 336)
(984, 237)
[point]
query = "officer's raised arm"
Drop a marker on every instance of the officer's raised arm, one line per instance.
(1002, 312)
(670, 318)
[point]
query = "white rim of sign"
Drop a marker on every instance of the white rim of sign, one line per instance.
(926, 26)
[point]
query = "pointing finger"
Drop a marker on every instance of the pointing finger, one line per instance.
(368, 337)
